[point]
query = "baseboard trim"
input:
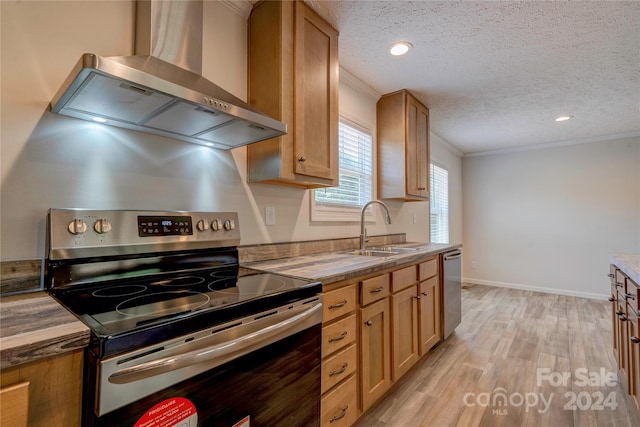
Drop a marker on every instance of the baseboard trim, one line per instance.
(602, 297)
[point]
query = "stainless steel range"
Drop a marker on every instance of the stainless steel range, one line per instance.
(181, 335)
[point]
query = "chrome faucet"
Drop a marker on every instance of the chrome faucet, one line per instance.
(363, 231)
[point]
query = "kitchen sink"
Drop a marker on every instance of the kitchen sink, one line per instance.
(381, 251)
(395, 249)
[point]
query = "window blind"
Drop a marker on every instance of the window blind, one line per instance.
(355, 160)
(439, 204)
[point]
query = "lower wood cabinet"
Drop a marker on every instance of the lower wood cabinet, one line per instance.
(54, 389)
(375, 328)
(14, 404)
(375, 350)
(339, 403)
(626, 331)
(339, 407)
(429, 314)
(404, 308)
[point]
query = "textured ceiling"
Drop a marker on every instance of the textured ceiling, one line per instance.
(495, 74)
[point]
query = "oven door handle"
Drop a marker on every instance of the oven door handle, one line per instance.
(236, 346)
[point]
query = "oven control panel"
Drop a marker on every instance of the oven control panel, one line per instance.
(84, 232)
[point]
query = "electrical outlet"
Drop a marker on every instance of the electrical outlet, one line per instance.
(474, 264)
(270, 215)
(415, 218)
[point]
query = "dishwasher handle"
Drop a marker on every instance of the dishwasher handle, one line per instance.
(201, 355)
(450, 256)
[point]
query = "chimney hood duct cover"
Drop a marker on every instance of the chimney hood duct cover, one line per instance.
(148, 92)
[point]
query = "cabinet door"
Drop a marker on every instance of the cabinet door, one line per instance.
(375, 352)
(316, 95)
(429, 314)
(404, 339)
(417, 149)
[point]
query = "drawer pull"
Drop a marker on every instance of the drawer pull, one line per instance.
(340, 416)
(618, 284)
(629, 296)
(368, 323)
(622, 318)
(422, 188)
(339, 338)
(612, 299)
(635, 340)
(376, 290)
(610, 275)
(619, 313)
(339, 371)
(415, 297)
(425, 294)
(302, 159)
(338, 305)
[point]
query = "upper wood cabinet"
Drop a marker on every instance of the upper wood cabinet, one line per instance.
(403, 147)
(293, 77)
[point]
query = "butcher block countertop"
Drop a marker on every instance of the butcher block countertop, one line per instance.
(34, 326)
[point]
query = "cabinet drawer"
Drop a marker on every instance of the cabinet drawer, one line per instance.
(428, 268)
(373, 289)
(338, 335)
(339, 367)
(338, 408)
(338, 302)
(403, 278)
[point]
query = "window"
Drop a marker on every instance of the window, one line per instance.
(355, 160)
(439, 204)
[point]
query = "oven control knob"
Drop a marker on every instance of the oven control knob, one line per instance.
(102, 226)
(230, 224)
(77, 226)
(216, 225)
(202, 225)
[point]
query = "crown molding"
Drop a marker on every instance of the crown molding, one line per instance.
(533, 147)
(241, 7)
(353, 82)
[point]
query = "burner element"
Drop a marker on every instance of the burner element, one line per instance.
(119, 291)
(162, 304)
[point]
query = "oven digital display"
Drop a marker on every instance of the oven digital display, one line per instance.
(164, 226)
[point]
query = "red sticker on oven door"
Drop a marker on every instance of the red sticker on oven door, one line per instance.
(174, 412)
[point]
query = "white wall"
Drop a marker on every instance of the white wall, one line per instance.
(54, 161)
(547, 219)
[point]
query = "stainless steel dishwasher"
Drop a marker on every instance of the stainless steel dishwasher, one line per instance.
(451, 291)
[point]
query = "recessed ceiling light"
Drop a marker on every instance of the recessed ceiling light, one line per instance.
(210, 144)
(400, 48)
(99, 120)
(563, 118)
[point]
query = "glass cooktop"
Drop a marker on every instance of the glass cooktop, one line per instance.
(119, 307)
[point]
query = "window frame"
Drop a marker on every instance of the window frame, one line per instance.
(432, 198)
(337, 213)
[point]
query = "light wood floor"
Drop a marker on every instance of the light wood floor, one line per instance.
(506, 335)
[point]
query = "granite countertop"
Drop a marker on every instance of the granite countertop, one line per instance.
(628, 263)
(34, 326)
(331, 267)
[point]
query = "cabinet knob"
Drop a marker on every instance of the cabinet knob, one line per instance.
(302, 159)
(368, 323)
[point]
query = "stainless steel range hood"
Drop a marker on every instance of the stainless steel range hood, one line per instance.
(160, 90)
